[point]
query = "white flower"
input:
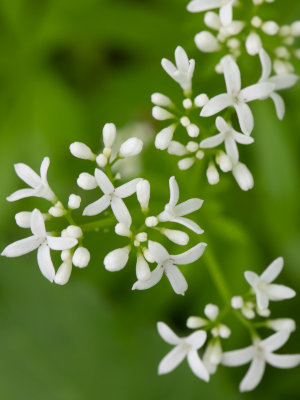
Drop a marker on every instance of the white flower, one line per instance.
(183, 72)
(237, 97)
(131, 147)
(263, 288)
(39, 184)
(243, 176)
(184, 347)
(174, 212)
(42, 241)
(204, 5)
(260, 353)
(229, 136)
(281, 82)
(167, 264)
(112, 197)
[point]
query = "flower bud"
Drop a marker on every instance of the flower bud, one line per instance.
(161, 100)
(86, 181)
(243, 176)
(211, 311)
(131, 147)
(81, 150)
(23, 219)
(151, 221)
(193, 130)
(143, 272)
(148, 256)
(192, 147)
(187, 104)
(206, 42)
(200, 155)
(74, 231)
(101, 160)
(212, 356)
(176, 236)
(66, 255)
(109, 134)
(196, 322)
(143, 193)
(164, 137)
(212, 20)
(237, 302)
(270, 28)
(57, 210)
(74, 201)
(201, 100)
(176, 149)
(63, 273)
(224, 161)
(256, 22)
(186, 163)
(282, 324)
(295, 28)
(253, 44)
(122, 229)
(142, 237)
(212, 174)
(161, 114)
(224, 331)
(117, 259)
(185, 121)
(81, 257)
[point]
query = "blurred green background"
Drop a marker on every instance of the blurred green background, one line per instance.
(67, 67)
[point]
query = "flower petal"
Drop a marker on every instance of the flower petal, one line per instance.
(262, 300)
(158, 252)
(182, 60)
(254, 375)
(232, 149)
(266, 65)
(232, 75)
(176, 279)
(226, 14)
(37, 224)
(238, 357)
(189, 256)
(196, 339)
(222, 125)
(44, 169)
(103, 182)
(45, 262)
(174, 191)
(61, 243)
(21, 247)
(279, 292)
(283, 360)
(156, 276)
(276, 340)
(258, 91)
(284, 81)
(273, 270)
(212, 141)
(279, 105)
(120, 211)
(189, 224)
(27, 175)
(167, 334)
(188, 206)
(63, 273)
(245, 117)
(127, 189)
(203, 5)
(216, 104)
(197, 365)
(242, 139)
(252, 278)
(98, 206)
(171, 360)
(21, 194)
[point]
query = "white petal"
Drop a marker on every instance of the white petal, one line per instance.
(27, 175)
(188, 207)
(226, 14)
(21, 194)
(37, 224)
(232, 75)
(196, 339)
(189, 224)
(266, 65)
(171, 360)
(212, 141)
(103, 182)
(273, 270)
(45, 262)
(262, 300)
(238, 357)
(182, 60)
(276, 340)
(252, 278)
(174, 191)
(197, 365)
(279, 292)
(232, 149)
(222, 125)
(279, 105)
(283, 360)
(257, 91)
(167, 334)
(284, 81)
(156, 276)
(203, 5)
(158, 252)
(143, 272)
(254, 375)
(245, 117)
(120, 210)
(21, 247)
(216, 104)
(63, 273)
(44, 169)
(191, 255)
(176, 279)
(61, 243)
(242, 139)
(127, 189)
(98, 206)
(169, 67)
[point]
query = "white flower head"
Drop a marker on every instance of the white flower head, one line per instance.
(186, 347)
(42, 241)
(167, 264)
(260, 353)
(39, 184)
(183, 72)
(225, 7)
(175, 212)
(264, 289)
(112, 197)
(236, 96)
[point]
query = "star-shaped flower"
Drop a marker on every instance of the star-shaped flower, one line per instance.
(42, 241)
(39, 184)
(183, 72)
(237, 97)
(186, 347)
(281, 82)
(175, 212)
(260, 353)
(167, 264)
(263, 288)
(229, 136)
(112, 197)
(204, 5)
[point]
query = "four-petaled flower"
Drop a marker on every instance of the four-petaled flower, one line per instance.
(184, 347)
(42, 241)
(229, 136)
(204, 5)
(39, 184)
(281, 82)
(112, 197)
(264, 290)
(260, 353)
(167, 264)
(174, 212)
(237, 97)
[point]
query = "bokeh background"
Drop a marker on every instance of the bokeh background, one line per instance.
(67, 67)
